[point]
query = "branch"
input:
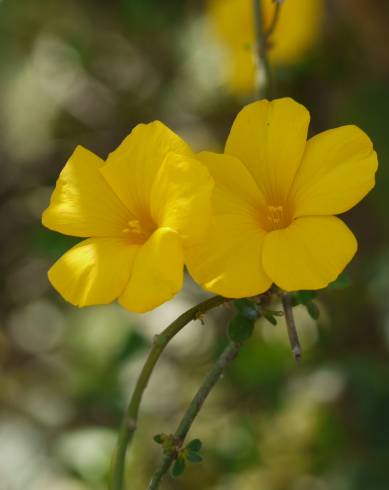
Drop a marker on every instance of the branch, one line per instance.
(130, 419)
(192, 411)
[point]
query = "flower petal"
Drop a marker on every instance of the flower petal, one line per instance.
(235, 189)
(229, 261)
(93, 272)
(82, 203)
(181, 197)
(269, 139)
(158, 272)
(133, 166)
(308, 254)
(337, 171)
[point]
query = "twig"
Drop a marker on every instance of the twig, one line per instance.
(291, 326)
(129, 422)
(192, 411)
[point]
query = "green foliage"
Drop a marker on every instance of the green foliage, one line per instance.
(194, 445)
(246, 308)
(178, 467)
(242, 325)
(270, 317)
(159, 438)
(313, 310)
(306, 298)
(194, 457)
(303, 297)
(191, 451)
(240, 328)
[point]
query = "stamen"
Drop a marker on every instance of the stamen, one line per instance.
(136, 231)
(134, 226)
(275, 217)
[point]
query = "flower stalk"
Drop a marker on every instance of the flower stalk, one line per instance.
(225, 359)
(129, 422)
(291, 326)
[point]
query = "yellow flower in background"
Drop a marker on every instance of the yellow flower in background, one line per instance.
(139, 211)
(274, 200)
(232, 21)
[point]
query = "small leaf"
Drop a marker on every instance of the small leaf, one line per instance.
(194, 445)
(178, 467)
(304, 297)
(240, 328)
(270, 318)
(246, 308)
(159, 438)
(313, 310)
(194, 457)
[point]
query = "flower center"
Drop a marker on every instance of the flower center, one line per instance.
(276, 217)
(138, 232)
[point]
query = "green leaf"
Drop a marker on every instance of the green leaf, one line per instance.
(240, 328)
(194, 445)
(194, 457)
(178, 467)
(304, 297)
(159, 438)
(342, 282)
(246, 308)
(270, 318)
(313, 310)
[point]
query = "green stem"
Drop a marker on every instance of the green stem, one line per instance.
(130, 418)
(161, 471)
(264, 75)
(192, 411)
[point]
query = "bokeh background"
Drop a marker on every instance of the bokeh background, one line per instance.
(85, 72)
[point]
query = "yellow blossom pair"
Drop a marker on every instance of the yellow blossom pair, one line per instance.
(260, 213)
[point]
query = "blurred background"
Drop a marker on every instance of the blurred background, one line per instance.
(85, 72)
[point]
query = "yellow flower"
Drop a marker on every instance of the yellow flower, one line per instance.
(140, 209)
(297, 29)
(274, 201)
